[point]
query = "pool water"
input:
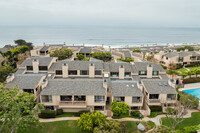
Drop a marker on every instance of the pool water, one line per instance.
(195, 92)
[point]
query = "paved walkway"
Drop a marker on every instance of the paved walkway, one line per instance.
(156, 120)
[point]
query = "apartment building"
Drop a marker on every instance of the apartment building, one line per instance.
(93, 85)
(183, 58)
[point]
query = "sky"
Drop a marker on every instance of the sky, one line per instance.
(163, 13)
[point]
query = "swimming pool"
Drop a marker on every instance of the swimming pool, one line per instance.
(195, 92)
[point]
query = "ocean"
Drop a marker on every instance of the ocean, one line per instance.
(97, 35)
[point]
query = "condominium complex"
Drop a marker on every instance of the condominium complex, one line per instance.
(94, 84)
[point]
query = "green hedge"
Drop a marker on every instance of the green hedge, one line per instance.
(136, 114)
(191, 80)
(156, 109)
(59, 111)
(83, 111)
(47, 114)
(190, 129)
(192, 65)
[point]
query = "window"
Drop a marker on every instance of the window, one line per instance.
(79, 98)
(119, 99)
(42, 67)
(49, 107)
(155, 73)
(65, 98)
(29, 67)
(198, 57)
(99, 98)
(136, 99)
(153, 96)
(127, 74)
(180, 59)
(46, 98)
(166, 58)
(98, 107)
(72, 72)
(171, 96)
(29, 90)
(58, 72)
(142, 72)
(114, 74)
(97, 72)
(84, 72)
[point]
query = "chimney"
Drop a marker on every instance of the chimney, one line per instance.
(121, 72)
(109, 48)
(91, 70)
(102, 45)
(44, 44)
(35, 64)
(105, 83)
(10, 77)
(65, 70)
(149, 71)
(64, 44)
(139, 85)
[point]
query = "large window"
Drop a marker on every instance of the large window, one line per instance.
(43, 68)
(72, 72)
(58, 72)
(84, 72)
(114, 74)
(153, 96)
(65, 98)
(79, 98)
(99, 99)
(142, 72)
(136, 99)
(155, 73)
(171, 96)
(180, 59)
(29, 90)
(127, 74)
(47, 98)
(119, 99)
(29, 67)
(97, 72)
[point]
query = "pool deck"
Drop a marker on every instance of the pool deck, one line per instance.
(190, 86)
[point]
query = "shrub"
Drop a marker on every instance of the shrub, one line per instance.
(83, 111)
(178, 66)
(47, 114)
(191, 80)
(136, 114)
(105, 56)
(61, 53)
(59, 111)
(156, 109)
(119, 108)
(164, 67)
(153, 114)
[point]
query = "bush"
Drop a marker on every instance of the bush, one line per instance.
(164, 67)
(153, 114)
(190, 129)
(83, 111)
(156, 109)
(179, 66)
(136, 114)
(191, 80)
(59, 111)
(47, 114)
(119, 108)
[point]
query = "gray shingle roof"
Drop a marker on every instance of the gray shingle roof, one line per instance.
(127, 54)
(137, 55)
(43, 61)
(74, 65)
(116, 53)
(125, 88)
(86, 50)
(25, 81)
(74, 87)
(171, 54)
(142, 66)
(114, 67)
(164, 76)
(44, 48)
(153, 86)
(20, 71)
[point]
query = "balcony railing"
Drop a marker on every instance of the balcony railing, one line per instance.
(154, 100)
(72, 103)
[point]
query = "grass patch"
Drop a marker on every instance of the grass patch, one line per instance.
(68, 114)
(192, 121)
(185, 70)
(131, 126)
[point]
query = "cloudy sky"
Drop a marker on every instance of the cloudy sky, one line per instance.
(167, 13)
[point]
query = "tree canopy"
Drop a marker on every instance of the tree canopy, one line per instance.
(88, 121)
(190, 48)
(136, 50)
(61, 53)
(119, 108)
(17, 109)
(80, 56)
(105, 56)
(21, 42)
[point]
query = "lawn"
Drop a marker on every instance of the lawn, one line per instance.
(192, 121)
(69, 114)
(131, 126)
(184, 70)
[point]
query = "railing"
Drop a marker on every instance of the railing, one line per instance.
(72, 103)
(154, 100)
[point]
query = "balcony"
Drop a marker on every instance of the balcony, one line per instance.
(72, 104)
(154, 100)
